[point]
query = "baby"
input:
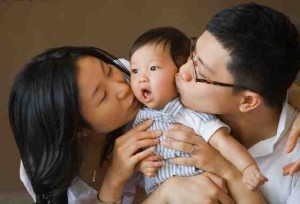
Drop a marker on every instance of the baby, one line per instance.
(155, 59)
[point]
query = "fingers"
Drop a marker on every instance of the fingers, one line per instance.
(150, 172)
(292, 140)
(151, 164)
(295, 167)
(185, 161)
(224, 198)
(144, 135)
(137, 141)
(218, 195)
(286, 169)
(182, 133)
(217, 180)
(294, 135)
(133, 148)
(141, 155)
(142, 127)
(254, 181)
(179, 145)
(292, 168)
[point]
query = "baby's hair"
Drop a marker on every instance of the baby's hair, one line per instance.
(178, 41)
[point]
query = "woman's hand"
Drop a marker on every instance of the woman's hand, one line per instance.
(207, 158)
(202, 154)
(195, 189)
(292, 168)
(126, 154)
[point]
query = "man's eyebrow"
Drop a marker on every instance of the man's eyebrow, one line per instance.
(205, 65)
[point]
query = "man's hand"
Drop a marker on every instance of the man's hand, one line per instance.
(292, 168)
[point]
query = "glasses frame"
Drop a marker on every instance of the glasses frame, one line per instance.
(208, 81)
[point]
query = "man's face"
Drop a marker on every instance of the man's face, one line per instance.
(211, 59)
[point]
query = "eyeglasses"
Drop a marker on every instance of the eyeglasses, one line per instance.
(208, 81)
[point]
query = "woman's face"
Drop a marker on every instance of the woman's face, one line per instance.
(106, 99)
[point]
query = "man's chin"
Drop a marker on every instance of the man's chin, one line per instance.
(189, 105)
(185, 103)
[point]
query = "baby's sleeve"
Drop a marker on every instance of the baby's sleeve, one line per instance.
(206, 125)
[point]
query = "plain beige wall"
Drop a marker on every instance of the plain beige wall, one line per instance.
(30, 26)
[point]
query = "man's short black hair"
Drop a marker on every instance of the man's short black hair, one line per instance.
(264, 48)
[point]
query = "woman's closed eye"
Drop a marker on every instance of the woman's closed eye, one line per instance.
(110, 71)
(103, 97)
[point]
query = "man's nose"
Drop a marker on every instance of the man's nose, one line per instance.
(185, 72)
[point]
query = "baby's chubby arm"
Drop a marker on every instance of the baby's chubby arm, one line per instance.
(238, 155)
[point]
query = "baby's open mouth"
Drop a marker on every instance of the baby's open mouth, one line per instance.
(146, 93)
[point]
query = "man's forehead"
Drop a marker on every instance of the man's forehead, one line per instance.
(211, 52)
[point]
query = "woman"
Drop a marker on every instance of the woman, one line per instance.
(50, 103)
(62, 93)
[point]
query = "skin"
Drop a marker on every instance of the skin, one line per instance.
(201, 97)
(151, 67)
(208, 98)
(106, 103)
(91, 73)
(152, 80)
(106, 100)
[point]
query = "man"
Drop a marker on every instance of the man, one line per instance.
(241, 69)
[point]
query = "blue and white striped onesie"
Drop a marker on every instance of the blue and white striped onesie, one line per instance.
(174, 112)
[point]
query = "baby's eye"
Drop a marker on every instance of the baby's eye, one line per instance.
(153, 68)
(134, 71)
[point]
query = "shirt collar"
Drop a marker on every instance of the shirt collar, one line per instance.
(167, 113)
(267, 146)
(172, 107)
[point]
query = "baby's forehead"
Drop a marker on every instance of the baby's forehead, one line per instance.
(155, 49)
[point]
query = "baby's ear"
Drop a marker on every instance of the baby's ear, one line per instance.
(250, 101)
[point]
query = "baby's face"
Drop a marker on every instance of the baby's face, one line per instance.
(153, 75)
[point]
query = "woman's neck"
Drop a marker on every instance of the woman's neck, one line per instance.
(90, 171)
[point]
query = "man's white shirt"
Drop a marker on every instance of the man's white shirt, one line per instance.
(271, 158)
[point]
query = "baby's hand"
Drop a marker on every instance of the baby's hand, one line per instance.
(150, 165)
(253, 178)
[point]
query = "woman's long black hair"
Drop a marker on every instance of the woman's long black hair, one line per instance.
(44, 117)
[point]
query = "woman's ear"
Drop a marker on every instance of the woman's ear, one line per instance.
(250, 101)
(83, 132)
